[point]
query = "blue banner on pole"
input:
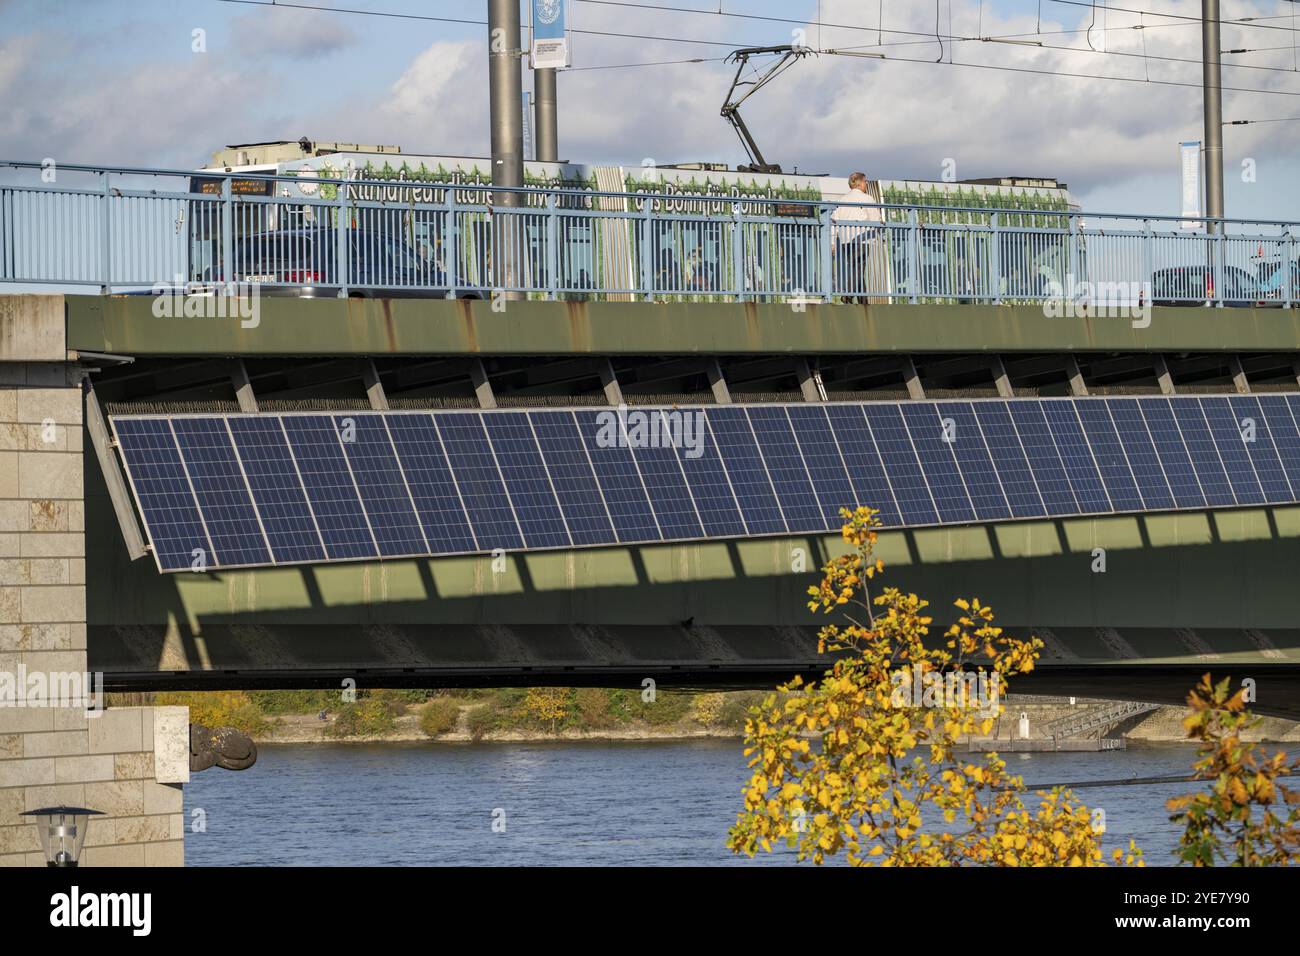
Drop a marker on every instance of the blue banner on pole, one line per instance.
(550, 40)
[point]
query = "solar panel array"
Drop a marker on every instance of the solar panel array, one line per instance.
(248, 490)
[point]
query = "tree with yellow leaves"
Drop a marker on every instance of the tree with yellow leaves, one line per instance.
(547, 703)
(1235, 821)
(851, 762)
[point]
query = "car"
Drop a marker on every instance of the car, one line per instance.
(1194, 285)
(303, 262)
(1272, 282)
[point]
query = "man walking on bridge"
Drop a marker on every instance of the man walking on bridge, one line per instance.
(859, 243)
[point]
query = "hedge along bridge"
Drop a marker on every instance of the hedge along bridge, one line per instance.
(127, 229)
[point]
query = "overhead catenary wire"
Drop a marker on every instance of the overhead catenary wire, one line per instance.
(283, 5)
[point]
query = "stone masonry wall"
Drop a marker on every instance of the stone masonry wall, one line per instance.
(129, 762)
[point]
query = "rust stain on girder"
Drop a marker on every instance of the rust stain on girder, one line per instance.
(467, 319)
(389, 332)
(579, 326)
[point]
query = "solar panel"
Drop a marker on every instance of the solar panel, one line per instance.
(866, 473)
(277, 490)
(971, 452)
(1008, 456)
(1201, 448)
(1175, 461)
(433, 489)
(617, 475)
(479, 481)
(649, 433)
(911, 492)
(785, 465)
(162, 489)
(1258, 441)
(738, 450)
(1225, 429)
(221, 491)
(327, 480)
(1044, 460)
(1286, 437)
(1136, 446)
(932, 438)
(1099, 429)
(821, 455)
(1076, 456)
(570, 467)
(381, 485)
(527, 482)
(715, 501)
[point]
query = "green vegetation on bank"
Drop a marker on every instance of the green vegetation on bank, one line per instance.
(479, 713)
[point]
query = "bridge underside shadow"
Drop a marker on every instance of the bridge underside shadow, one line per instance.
(253, 656)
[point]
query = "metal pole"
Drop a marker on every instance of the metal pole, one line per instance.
(506, 96)
(546, 119)
(1213, 96)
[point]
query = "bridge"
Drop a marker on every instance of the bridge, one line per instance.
(1122, 479)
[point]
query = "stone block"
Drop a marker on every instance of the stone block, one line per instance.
(116, 731)
(171, 744)
(171, 853)
(53, 603)
(122, 854)
(51, 545)
(83, 769)
(163, 797)
(133, 766)
(60, 743)
(49, 474)
(59, 405)
(118, 798)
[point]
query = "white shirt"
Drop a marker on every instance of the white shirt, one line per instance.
(851, 208)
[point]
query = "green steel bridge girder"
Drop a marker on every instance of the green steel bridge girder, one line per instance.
(1218, 574)
(289, 326)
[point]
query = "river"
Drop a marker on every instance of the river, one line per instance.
(572, 803)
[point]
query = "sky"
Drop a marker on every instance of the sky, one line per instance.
(126, 82)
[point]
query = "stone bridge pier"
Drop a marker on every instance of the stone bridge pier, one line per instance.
(58, 744)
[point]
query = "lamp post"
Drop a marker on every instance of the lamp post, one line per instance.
(63, 831)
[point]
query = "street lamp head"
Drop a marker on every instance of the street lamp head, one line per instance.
(62, 831)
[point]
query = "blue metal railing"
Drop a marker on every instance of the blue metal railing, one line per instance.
(123, 229)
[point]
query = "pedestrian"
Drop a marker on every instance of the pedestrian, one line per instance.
(858, 240)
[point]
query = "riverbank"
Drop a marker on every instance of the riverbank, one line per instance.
(576, 714)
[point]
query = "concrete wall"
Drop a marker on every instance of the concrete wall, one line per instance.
(129, 763)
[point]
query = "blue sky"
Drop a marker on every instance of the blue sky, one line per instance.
(114, 81)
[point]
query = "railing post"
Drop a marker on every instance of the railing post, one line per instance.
(1288, 264)
(737, 252)
(914, 254)
(995, 258)
(450, 252)
(552, 247)
(1072, 266)
(227, 236)
(1148, 257)
(106, 233)
(342, 254)
(1218, 265)
(827, 254)
(646, 226)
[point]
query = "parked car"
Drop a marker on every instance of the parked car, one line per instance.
(304, 263)
(1272, 282)
(1194, 285)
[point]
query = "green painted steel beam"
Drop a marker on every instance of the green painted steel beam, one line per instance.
(290, 326)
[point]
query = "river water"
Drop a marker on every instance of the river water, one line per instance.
(573, 803)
